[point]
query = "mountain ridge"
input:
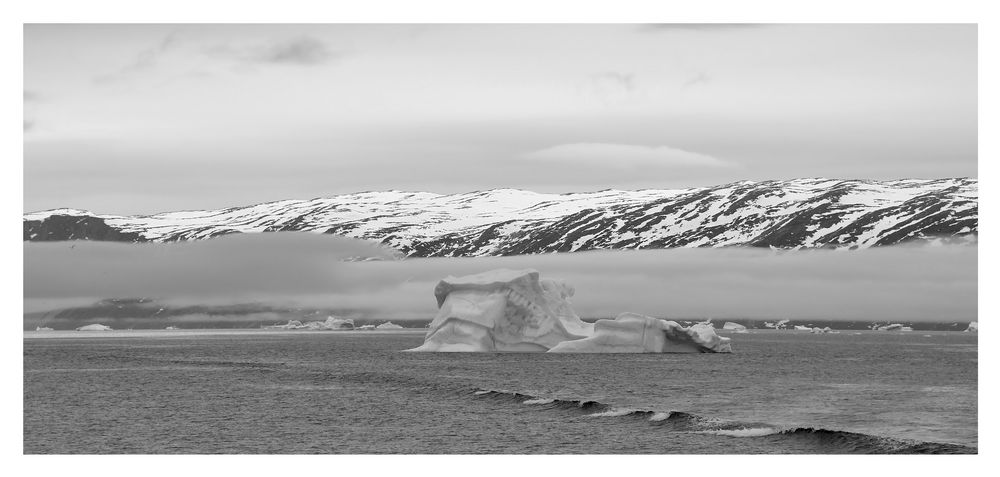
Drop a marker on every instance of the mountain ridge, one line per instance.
(787, 214)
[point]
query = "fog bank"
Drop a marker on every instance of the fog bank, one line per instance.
(912, 283)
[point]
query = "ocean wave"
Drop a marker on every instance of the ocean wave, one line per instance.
(539, 401)
(826, 440)
(613, 413)
(743, 432)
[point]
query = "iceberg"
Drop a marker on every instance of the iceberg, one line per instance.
(973, 326)
(367, 327)
(94, 327)
(821, 330)
(635, 333)
(171, 328)
(733, 326)
(892, 327)
(802, 328)
(291, 325)
(388, 326)
(43, 328)
(515, 310)
(503, 310)
(331, 323)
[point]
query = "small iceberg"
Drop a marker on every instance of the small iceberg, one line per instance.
(973, 326)
(43, 328)
(388, 326)
(367, 327)
(172, 328)
(733, 326)
(331, 323)
(802, 328)
(291, 325)
(94, 327)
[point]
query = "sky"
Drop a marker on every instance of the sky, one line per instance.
(130, 119)
(901, 283)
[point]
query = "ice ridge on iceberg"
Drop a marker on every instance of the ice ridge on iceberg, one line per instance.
(515, 310)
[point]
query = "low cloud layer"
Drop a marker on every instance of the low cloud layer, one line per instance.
(612, 155)
(305, 270)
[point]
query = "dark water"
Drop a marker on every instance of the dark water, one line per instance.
(354, 392)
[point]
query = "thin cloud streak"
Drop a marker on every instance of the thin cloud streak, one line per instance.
(618, 155)
(301, 51)
(658, 27)
(144, 60)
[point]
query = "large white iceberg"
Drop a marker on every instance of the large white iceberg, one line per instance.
(503, 310)
(515, 310)
(94, 327)
(635, 333)
(973, 326)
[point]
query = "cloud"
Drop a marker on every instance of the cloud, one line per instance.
(910, 283)
(623, 155)
(655, 27)
(625, 81)
(611, 85)
(142, 61)
(302, 51)
(700, 78)
(29, 97)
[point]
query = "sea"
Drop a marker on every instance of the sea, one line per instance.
(358, 392)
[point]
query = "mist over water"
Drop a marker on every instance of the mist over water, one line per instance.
(913, 283)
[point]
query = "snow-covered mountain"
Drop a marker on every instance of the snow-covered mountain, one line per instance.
(799, 213)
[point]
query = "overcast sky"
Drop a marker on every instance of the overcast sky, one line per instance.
(147, 118)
